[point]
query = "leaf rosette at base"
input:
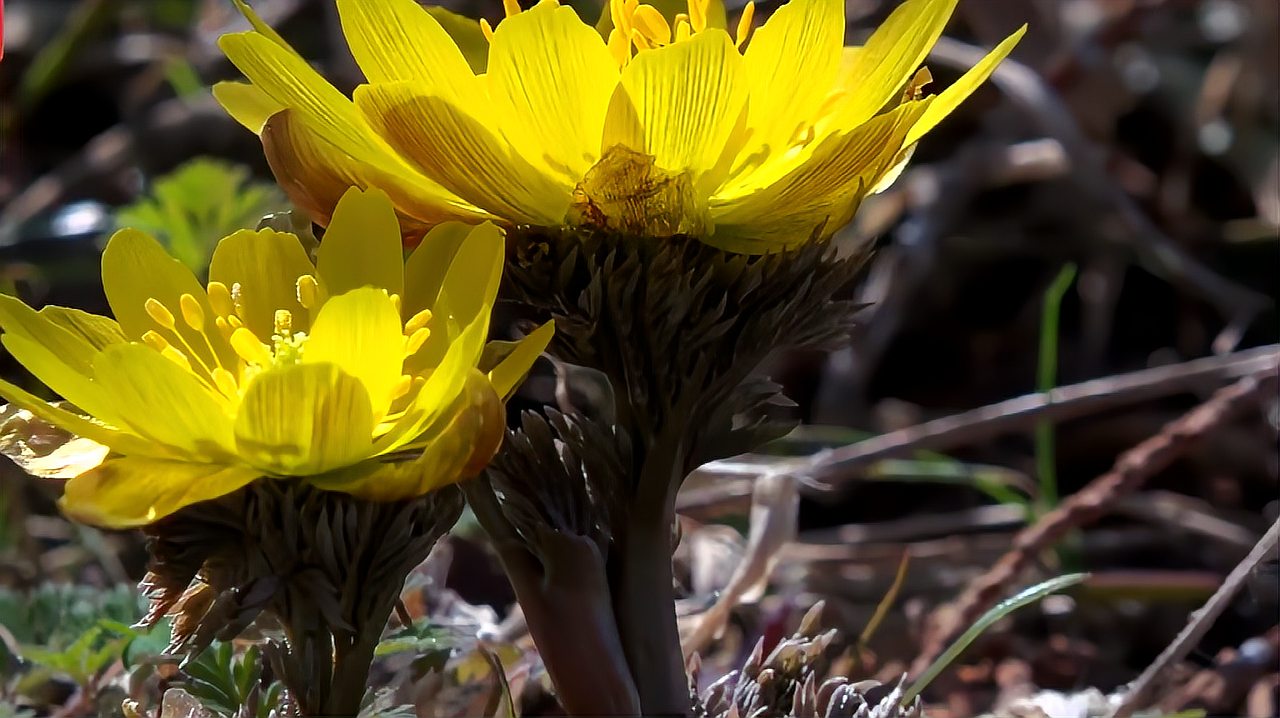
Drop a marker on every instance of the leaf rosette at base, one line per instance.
(360, 372)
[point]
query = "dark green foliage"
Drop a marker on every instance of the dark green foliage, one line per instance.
(232, 684)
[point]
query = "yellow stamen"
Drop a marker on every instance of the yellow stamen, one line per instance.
(225, 381)
(639, 40)
(619, 47)
(176, 357)
(159, 313)
(308, 291)
(224, 327)
(235, 322)
(153, 339)
(402, 387)
(511, 7)
(652, 25)
(698, 14)
(417, 321)
(415, 341)
(744, 24)
(249, 348)
(683, 30)
(220, 299)
(283, 322)
(486, 29)
(395, 302)
(192, 312)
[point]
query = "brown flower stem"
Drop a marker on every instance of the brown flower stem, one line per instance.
(565, 599)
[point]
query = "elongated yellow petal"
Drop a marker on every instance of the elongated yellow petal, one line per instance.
(395, 40)
(440, 389)
(513, 368)
(551, 78)
(316, 174)
(427, 266)
(130, 491)
(99, 331)
(165, 402)
(114, 437)
(681, 103)
(945, 102)
(890, 56)
(304, 419)
(66, 461)
(69, 347)
(792, 62)
(360, 332)
(136, 268)
(362, 245)
(247, 104)
(454, 446)
(463, 152)
(467, 295)
(466, 34)
(786, 212)
(51, 368)
(262, 269)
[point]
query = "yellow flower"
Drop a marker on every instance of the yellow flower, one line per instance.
(357, 373)
(750, 141)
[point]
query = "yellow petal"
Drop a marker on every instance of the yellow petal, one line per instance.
(467, 294)
(69, 347)
(395, 40)
(65, 462)
(513, 368)
(164, 402)
(246, 103)
(288, 80)
(454, 447)
(265, 265)
(426, 267)
(361, 247)
(945, 102)
(115, 438)
(136, 268)
(442, 386)
(466, 34)
(462, 152)
(130, 491)
(792, 62)
(316, 173)
(360, 333)
(827, 186)
(304, 419)
(258, 24)
(891, 55)
(551, 78)
(681, 103)
(68, 381)
(99, 331)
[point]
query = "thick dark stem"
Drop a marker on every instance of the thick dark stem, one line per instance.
(351, 673)
(565, 600)
(644, 599)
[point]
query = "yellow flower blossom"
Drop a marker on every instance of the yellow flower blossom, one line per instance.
(750, 139)
(357, 373)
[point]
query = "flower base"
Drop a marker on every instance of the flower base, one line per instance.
(327, 567)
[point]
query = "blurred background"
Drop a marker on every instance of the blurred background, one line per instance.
(1106, 210)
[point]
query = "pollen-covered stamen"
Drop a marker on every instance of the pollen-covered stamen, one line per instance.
(745, 24)
(308, 291)
(246, 344)
(220, 299)
(226, 382)
(417, 321)
(511, 7)
(402, 387)
(286, 346)
(698, 10)
(159, 313)
(415, 341)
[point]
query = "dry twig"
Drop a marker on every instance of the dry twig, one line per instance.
(1128, 474)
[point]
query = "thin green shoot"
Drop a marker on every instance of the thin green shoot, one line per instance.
(1046, 380)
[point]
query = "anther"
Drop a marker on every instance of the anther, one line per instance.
(225, 381)
(652, 25)
(486, 29)
(153, 339)
(416, 340)
(402, 387)
(395, 301)
(308, 291)
(283, 322)
(220, 299)
(159, 313)
(417, 321)
(249, 348)
(511, 7)
(698, 14)
(176, 357)
(744, 24)
(235, 322)
(192, 312)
